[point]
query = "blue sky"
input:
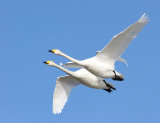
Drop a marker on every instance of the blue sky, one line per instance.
(78, 28)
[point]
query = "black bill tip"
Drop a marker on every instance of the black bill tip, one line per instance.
(49, 50)
(45, 62)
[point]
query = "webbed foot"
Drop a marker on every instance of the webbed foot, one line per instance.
(108, 90)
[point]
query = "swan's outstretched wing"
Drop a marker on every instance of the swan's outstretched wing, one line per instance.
(120, 42)
(72, 65)
(119, 59)
(62, 90)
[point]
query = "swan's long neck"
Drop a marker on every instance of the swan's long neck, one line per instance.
(72, 59)
(65, 70)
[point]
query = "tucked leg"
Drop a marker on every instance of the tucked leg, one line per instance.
(119, 78)
(109, 85)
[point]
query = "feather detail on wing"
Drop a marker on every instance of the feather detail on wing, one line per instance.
(62, 90)
(115, 48)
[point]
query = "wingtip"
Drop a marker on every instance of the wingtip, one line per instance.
(57, 112)
(144, 19)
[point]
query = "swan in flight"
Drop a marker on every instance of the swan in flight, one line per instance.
(64, 85)
(102, 65)
(74, 65)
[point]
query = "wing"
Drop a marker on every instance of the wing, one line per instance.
(62, 90)
(120, 42)
(119, 59)
(72, 65)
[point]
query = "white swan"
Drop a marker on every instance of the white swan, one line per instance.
(75, 65)
(102, 65)
(65, 84)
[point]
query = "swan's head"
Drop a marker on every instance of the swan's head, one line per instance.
(55, 51)
(51, 63)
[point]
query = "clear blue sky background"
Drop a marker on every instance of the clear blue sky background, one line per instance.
(28, 29)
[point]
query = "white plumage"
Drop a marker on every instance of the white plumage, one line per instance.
(120, 42)
(75, 65)
(64, 85)
(94, 69)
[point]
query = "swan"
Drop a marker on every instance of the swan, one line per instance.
(102, 65)
(64, 85)
(74, 65)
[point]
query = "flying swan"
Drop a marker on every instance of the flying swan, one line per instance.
(74, 65)
(102, 65)
(64, 85)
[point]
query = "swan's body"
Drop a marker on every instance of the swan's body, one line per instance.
(102, 65)
(65, 84)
